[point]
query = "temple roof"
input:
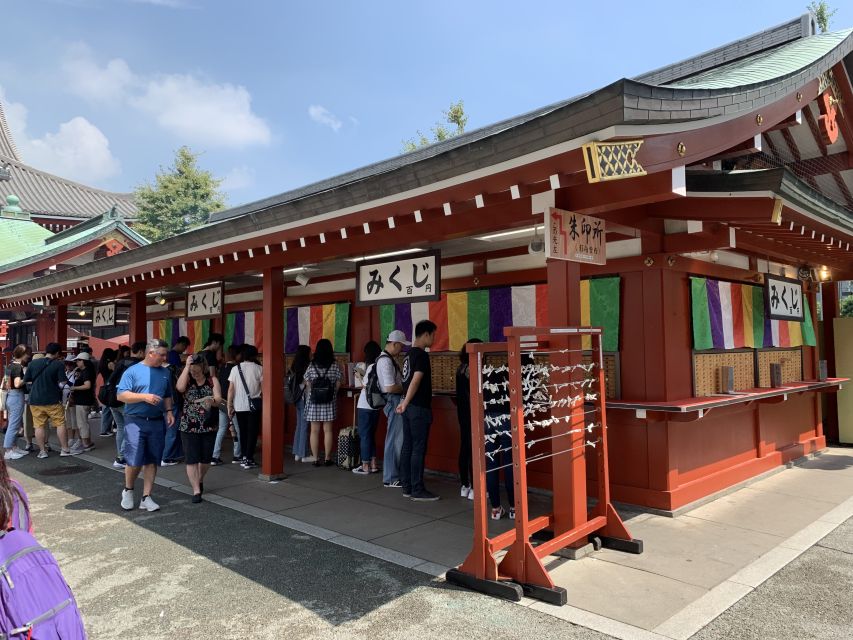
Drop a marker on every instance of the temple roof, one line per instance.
(42, 193)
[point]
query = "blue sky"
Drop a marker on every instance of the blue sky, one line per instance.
(279, 94)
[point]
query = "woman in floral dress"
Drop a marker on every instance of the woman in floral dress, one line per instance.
(199, 419)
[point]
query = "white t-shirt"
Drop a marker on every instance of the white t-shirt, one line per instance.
(362, 398)
(254, 375)
(386, 372)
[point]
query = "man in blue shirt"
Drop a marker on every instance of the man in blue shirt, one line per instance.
(180, 346)
(146, 391)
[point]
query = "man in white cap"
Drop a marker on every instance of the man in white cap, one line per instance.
(391, 381)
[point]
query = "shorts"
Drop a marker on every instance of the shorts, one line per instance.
(42, 413)
(144, 441)
(198, 447)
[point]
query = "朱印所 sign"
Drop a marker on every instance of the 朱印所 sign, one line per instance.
(397, 280)
(104, 315)
(783, 298)
(575, 237)
(204, 303)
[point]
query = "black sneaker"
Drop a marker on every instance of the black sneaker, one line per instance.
(425, 496)
(407, 493)
(215, 462)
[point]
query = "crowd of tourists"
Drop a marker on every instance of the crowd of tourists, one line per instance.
(166, 405)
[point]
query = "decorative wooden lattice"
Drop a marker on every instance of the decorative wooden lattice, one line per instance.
(790, 359)
(706, 371)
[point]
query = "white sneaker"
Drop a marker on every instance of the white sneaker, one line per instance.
(118, 464)
(72, 444)
(43, 454)
(464, 491)
(309, 459)
(76, 450)
(14, 454)
(64, 453)
(23, 452)
(296, 458)
(149, 505)
(471, 493)
(126, 499)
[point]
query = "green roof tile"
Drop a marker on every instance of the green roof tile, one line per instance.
(767, 65)
(19, 237)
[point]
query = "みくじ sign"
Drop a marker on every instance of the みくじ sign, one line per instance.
(204, 303)
(783, 298)
(396, 280)
(104, 315)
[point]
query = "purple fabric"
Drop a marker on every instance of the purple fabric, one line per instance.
(500, 312)
(176, 329)
(768, 331)
(715, 311)
(403, 319)
(291, 340)
(240, 327)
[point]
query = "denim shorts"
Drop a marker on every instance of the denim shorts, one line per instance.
(144, 441)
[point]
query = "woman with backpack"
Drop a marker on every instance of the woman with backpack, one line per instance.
(295, 394)
(199, 419)
(105, 369)
(322, 379)
(368, 417)
(244, 401)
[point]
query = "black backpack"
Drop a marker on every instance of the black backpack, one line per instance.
(112, 384)
(377, 398)
(322, 389)
(293, 389)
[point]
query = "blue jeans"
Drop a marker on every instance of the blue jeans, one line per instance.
(501, 461)
(15, 409)
(173, 450)
(393, 440)
(367, 421)
(107, 420)
(301, 446)
(220, 436)
(416, 424)
(118, 416)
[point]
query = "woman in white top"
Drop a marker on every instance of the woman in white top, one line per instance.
(368, 417)
(244, 393)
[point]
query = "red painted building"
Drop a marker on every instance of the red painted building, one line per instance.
(714, 176)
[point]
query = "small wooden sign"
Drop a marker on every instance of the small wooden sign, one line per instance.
(399, 280)
(575, 237)
(104, 315)
(783, 298)
(204, 303)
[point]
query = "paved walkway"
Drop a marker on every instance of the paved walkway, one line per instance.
(694, 566)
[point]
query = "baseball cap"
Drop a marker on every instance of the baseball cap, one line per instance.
(398, 336)
(53, 348)
(83, 356)
(69, 358)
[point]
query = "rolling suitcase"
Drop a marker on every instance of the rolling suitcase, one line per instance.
(349, 444)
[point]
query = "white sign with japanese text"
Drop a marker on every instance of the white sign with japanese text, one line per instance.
(399, 280)
(104, 315)
(783, 298)
(575, 237)
(204, 303)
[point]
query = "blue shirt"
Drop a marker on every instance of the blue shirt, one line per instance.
(140, 378)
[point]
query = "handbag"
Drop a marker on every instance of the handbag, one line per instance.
(255, 404)
(3, 392)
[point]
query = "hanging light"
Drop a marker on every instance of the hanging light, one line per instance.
(160, 299)
(82, 313)
(824, 273)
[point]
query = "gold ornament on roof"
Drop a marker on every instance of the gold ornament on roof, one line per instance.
(612, 160)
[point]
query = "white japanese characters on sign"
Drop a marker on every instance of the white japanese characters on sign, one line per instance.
(104, 315)
(783, 298)
(574, 237)
(388, 281)
(204, 303)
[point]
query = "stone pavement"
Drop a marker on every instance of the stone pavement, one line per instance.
(694, 566)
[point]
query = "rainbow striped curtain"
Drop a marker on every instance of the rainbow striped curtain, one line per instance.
(170, 329)
(729, 315)
(306, 325)
(244, 327)
(483, 313)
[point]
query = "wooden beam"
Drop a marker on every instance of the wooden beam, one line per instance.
(720, 209)
(720, 237)
(745, 148)
(619, 194)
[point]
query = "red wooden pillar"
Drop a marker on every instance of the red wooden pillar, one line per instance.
(568, 469)
(272, 427)
(136, 323)
(60, 326)
(829, 306)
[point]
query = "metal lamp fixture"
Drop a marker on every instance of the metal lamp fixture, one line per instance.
(160, 299)
(302, 279)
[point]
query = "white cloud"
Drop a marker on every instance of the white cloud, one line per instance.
(193, 110)
(322, 115)
(212, 114)
(91, 82)
(77, 151)
(238, 178)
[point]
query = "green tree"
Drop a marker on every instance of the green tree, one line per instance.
(847, 307)
(822, 13)
(182, 197)
(454, 116)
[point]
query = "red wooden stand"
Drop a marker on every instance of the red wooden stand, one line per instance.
(521, 571)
